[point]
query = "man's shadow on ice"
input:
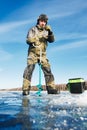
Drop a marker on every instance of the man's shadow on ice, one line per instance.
(38, 114)
(21, 120)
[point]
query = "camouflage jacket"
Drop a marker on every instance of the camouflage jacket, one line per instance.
(38, 39)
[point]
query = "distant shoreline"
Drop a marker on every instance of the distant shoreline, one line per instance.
(60, 87)
(34, 88)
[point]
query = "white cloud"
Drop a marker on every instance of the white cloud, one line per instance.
(14, 31)
(59, 15)
(67, 36)
(62, 9)
(55, 9)
(71, 45)
(4, 56)
(65, 8)
(6, 27)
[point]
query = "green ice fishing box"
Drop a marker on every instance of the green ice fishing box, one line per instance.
(76, 85)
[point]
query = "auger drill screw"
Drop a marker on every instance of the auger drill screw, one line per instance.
(39, 85)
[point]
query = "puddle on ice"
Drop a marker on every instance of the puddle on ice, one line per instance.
(64, 111)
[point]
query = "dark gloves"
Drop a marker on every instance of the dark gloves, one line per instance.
(48, 28)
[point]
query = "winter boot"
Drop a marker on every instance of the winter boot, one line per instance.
(51, 90)
(26, 87)
(25, 92)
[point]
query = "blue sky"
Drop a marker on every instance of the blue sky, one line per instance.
(67, 55)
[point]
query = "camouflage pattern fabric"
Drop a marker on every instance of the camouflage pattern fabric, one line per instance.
(39, 38)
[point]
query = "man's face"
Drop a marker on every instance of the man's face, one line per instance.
(42, 23)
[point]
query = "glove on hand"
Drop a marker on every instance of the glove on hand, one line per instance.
(48, 28)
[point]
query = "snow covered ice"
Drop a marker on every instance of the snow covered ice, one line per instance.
(64, 111)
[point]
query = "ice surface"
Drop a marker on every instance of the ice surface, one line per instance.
(64, 111)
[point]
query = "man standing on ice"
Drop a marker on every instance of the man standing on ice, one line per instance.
(38, 38)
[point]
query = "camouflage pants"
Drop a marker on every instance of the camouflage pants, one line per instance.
(31, 61)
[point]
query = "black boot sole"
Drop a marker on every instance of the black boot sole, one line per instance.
(25, 93)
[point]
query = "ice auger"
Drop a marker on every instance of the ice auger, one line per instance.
(39, 86)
